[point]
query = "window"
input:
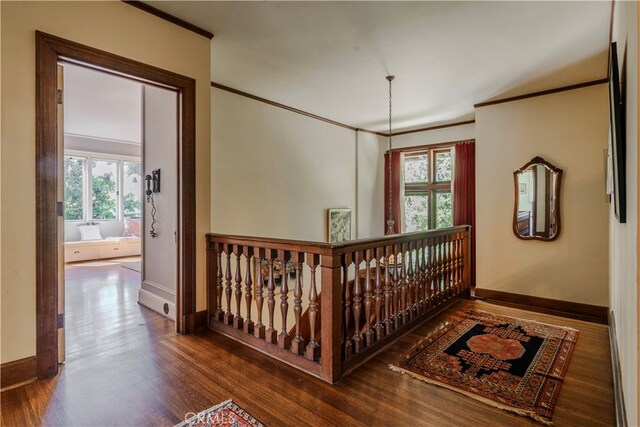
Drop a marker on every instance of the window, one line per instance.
(132, 189)
(104, 183)
(74, 188)
(427, 189)
(101, 188)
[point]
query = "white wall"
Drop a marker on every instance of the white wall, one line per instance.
(160, 256)
(101, 105)
(370, 203)
(623, 254)
(455, 133)
(287, 170)
(568, 129)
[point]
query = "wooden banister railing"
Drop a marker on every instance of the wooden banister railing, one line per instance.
(325, 308)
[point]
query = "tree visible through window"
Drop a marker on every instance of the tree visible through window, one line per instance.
(101, 188)
(104, 186)
(74, 188)
(427, 185)
(132, 189)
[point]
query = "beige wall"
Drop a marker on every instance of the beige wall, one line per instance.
(568, 129)
(288, 169)
(111, 26)
(623, 254)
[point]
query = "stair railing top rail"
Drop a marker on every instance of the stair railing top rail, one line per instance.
(324, 248)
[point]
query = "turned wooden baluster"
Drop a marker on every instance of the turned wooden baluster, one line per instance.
(461, 263)
(425, 275)
(228, 316)
(445, 268)
(449, 277)
(313, 348)
(415, 260)
(357, 305)
(419, 278)
(402, 284)
(396, 287)
(441, 269)
(348, 344)
(259, 328)
(283, 338)
(452, 270)
(414, 247)
(368, 332)
(411, 285)
(297, 344)
(454, 265)
(422, 255)
(219, 277)
(237, 319)
(436, 271)
(429, 256)
(248, 323)
(388, 324)
(379, 328)
(271, 335)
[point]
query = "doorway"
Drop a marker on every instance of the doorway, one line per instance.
(50, 51)
(118, 136)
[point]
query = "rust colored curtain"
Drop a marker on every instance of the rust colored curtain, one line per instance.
(464, 194)
(395, 190)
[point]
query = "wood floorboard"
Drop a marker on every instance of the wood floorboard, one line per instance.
(135, 370)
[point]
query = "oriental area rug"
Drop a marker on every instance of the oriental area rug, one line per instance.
(225, 414)
(512, 364)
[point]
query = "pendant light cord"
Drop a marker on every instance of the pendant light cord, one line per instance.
(390, 222)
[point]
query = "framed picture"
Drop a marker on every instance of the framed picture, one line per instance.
(339, 225)
(523, 188)
(618, 145)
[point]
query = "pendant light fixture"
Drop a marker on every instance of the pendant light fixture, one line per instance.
(390, 221)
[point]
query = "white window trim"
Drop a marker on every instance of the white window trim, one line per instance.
(87, 205)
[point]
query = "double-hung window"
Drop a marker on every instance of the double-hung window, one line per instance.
(101, 188)
(428, 174)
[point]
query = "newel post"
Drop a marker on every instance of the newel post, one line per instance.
(212, 269)
(466, 245)
(331, 326)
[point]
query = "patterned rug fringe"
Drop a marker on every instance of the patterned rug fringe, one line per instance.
(246, 417)
(473, 396)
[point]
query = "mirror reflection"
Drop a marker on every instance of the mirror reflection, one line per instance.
(537, 201)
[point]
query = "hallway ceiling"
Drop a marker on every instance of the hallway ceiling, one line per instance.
(331, 58)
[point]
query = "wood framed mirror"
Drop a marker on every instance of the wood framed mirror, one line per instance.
(536, 215)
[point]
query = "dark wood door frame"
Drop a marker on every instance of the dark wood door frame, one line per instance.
(49, 51)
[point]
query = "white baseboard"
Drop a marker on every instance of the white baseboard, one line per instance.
(156, 304)
(159, 287)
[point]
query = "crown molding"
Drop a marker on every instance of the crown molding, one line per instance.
(543, 92)
(169, 18)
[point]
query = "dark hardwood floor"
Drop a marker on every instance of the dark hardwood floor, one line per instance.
(138, 372)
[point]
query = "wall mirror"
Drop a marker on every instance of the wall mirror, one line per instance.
(537, 200)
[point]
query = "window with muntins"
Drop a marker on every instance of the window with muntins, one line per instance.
(100, 188)
(428, 204)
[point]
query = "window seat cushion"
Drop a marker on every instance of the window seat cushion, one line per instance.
(105, 241)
